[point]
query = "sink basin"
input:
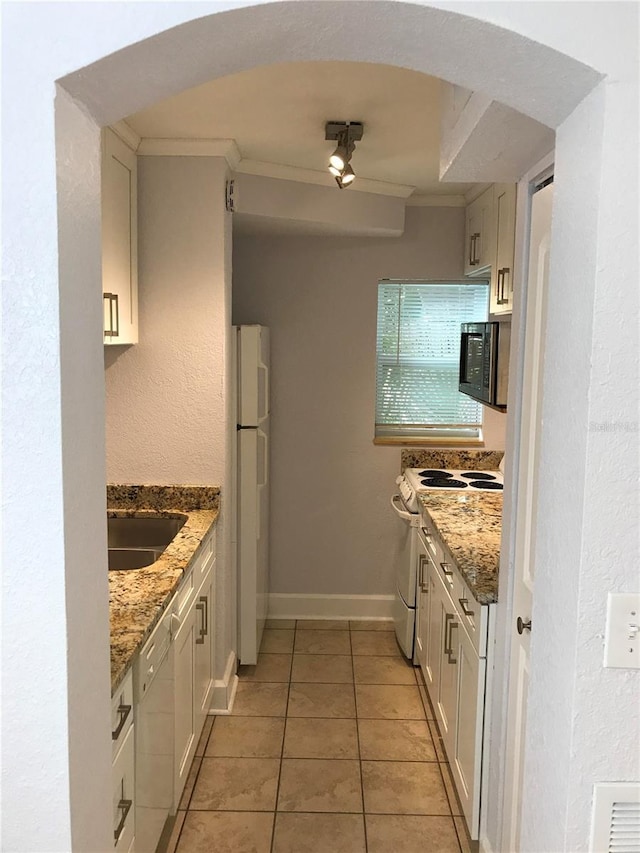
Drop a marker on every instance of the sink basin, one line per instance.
(137, 542)
(131, 558)
(154, 532)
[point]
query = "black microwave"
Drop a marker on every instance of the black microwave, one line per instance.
(484, 362)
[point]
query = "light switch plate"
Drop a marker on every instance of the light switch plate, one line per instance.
(622, 636)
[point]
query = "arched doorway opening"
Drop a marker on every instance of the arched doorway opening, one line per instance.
(524, 73)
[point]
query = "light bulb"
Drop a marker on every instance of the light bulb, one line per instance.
(347, 176)
(335, 171)
(339, 158)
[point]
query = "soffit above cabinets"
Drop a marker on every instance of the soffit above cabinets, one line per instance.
(276, 116)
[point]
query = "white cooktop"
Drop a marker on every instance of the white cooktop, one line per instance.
(445, 480)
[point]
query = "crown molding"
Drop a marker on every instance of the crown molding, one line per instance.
(227, 148)
(313, 176)
(436, 201)
(127, 134)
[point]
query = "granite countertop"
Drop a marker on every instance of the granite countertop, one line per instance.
(470, 526)
(137, 597)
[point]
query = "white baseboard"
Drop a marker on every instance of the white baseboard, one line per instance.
(299, 606)
(224, 689)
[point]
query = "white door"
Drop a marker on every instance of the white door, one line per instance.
(537, 278)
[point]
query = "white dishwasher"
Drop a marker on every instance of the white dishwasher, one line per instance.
(153, 685)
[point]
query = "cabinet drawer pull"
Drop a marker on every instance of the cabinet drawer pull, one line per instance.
(124, 806)
(124, 711)
(447, 572)
(427, 534)
(449, 625)
(465, 610)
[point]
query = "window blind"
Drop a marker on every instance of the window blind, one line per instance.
(418, 358)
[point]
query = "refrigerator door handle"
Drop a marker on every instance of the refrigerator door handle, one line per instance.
(264, 397)
(263, 476)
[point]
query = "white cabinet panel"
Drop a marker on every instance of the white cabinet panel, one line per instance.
(479, 236)
(123, 799)
(119, 240)
(502, 269)
(203, 667)
(184, 646)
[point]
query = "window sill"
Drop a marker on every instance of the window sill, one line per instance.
(401, 441)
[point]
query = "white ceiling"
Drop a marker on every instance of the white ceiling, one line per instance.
(276, 114)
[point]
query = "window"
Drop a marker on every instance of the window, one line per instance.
(417, 360)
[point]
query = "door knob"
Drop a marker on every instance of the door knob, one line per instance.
(523, 626)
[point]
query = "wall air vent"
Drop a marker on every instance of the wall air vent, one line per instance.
(616, 818)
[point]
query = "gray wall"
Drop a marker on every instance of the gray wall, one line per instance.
(332, 529)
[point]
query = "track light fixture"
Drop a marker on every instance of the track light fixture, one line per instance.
(346, 133)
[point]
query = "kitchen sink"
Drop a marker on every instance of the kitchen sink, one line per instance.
(135, 542)
(131, 558)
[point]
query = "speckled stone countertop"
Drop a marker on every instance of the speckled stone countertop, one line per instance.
(137, 597)
(469, 526)
(473, 460)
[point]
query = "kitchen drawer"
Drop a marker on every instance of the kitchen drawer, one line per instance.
(205, 560)
(121, 713)
(430, 539)
(195, 575)
(470, 613)
(152, 654)
(122, 774)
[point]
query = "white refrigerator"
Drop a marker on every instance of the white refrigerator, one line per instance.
(252, 480)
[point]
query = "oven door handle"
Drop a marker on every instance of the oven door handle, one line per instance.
(398, 506)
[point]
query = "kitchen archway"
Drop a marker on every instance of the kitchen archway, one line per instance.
(523, 74)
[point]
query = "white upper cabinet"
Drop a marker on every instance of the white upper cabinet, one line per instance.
(479, 239)
(119, 240)
(502, 270)
(490, 241)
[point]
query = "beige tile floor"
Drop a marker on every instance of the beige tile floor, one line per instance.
(332, 747)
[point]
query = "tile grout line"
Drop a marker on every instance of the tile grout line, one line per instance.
(355, 700)
(284, 735)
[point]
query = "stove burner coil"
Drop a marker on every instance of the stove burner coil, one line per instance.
(442, 483)
(486, 484)
(435, 474)
(477, 475)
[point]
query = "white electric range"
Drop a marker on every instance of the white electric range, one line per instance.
(405, 505)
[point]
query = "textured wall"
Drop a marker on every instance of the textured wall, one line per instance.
(164, 397)
(333, 531)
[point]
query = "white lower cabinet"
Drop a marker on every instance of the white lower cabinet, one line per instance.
(193, 673)
(122, 768)
(204, 651)
(185, 740)
(453, 646)
(167, 693)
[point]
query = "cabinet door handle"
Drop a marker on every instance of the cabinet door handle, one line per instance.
(422, 563)
(474, 245)
(201, 607)
(108, 332)
(124, 711)
(124, 806)
(204, 599)
(505, 272)
(449, 625)
(471, 236)
(465, 610)
(116, 331)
